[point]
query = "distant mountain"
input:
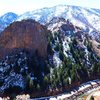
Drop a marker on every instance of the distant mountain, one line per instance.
(87, 18)
(83, 17)
(6, 19)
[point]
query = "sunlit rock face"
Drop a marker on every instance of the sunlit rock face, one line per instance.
(27, 34)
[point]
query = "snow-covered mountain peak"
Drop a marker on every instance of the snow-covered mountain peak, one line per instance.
(78, 15)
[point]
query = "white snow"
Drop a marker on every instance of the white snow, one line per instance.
(53, 98)
(56, 59)
(66, 45)
(86, 53)
(78, 16)
(13, 80)
(1, 69)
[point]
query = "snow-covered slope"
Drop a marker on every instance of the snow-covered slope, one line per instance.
(6, 19)
(65, 33)
(79, 16)
(82, 17)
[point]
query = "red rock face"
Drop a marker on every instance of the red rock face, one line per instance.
(26, 34)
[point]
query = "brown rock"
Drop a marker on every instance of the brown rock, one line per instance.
(27, 34)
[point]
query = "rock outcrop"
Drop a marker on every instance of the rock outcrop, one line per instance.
(27, 34)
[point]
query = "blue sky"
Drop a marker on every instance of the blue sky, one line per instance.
(21, 6)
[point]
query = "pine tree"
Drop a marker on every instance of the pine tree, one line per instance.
(92, 98)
